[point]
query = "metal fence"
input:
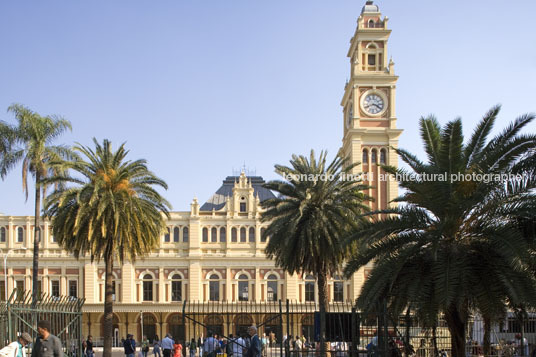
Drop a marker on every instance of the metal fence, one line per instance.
(18, 314)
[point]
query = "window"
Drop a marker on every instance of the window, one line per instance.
(147, 288)
(205, 234)
(2, 291)
(309, 288)
(185, 234)
(214, 235)
(113, 289)
(272, 288)
(73, 288)
(176, 288)
(372, 59)
(338, 291)
(263, 235)
(55, 288)
(167, 236)
(365, 157)
(374, 157)
(223, 234)
(51, 235)
(214, 287)
(39, 288)
(371, 23)
(233, 235)
(2, 234)
(20, 235)
(252, 235)
(243, 288)
(242, 206)
(19, 287)
(176, 234)
(383, 156)
(242, 235)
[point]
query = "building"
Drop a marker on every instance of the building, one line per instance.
(214, 252)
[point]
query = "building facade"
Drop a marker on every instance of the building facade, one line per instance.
(214, 253)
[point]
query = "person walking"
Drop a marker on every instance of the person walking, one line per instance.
(127, 346)
(210, 346)
(238, 346)
(46, 344)
(156, 346)
(177, 349)
(254, 349)
(17, 348)
(193, 348)
(144, 346)
(88, 352)
(167, 345)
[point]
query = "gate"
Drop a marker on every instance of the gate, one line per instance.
(18, 315)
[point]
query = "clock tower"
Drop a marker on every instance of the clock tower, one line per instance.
(369, 116)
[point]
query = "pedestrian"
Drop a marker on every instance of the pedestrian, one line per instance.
(156, 346)
(127, 346)
(211, 346)
(167, 345)
(193, 347)
(88, 352)
(144, 346)
(17, 348)
(200, 345)
(238, 346)
(177, 349)
(46, 344)
(254, 349)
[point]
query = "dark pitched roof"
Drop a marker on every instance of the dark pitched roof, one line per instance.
(217, 201)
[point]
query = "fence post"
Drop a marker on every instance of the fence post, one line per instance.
(322, 330)
(287, 341)
(281, 327)
(355, 332)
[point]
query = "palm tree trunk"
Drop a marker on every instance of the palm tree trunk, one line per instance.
(456, 322)
(108, 304)
(37, 229)
(323, 301)
(487, 336)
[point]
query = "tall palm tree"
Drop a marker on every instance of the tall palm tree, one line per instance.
(30, 141)
(310, 217)
(455, 245)
(110, 210)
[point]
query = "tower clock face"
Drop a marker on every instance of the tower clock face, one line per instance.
(373, 104)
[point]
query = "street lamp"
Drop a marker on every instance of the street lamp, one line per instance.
(5, 267)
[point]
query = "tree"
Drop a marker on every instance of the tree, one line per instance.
(110, 210)
(316, 207)
(455, 245)
(30, 142)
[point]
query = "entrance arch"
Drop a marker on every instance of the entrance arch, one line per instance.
(241, 324)
(214, 324)
(149, 326)
(176, 327)
(272, 328)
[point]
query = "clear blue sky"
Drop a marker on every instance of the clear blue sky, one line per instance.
(201, 87)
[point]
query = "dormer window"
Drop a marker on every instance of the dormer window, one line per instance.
(243, 206)
(371, 59)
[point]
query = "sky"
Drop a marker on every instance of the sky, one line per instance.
(203, 88)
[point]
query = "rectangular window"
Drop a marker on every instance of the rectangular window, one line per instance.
(55, 288)
(19, 286)
(2, 234)
(167, 236)
(242, 206)
(113, 289)
(309, 291)
(20, 235)
(176, 291)
(338, 291)
(372, 60)
(39, 290)
(2, 291)
(214, 293)
(73, 288)
(147, 291)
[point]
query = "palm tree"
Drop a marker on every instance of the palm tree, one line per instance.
(30, 142)
(110, 210)
(311, 216)
(455, 245)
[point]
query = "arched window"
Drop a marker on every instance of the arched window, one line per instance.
(2, 234)
(205, 234)
(243, 235)
(251, 235)
(365, 157)
(243, 288)
(214, 235)
(338, 289)
(223, 234)
(383, 156)
(176, 288)
(20, 235)
(374, 157)
(234, 237)
(214, 288)
(185, 233)
(309, 288)
(371, 23)
(147, 288)
(176, 234)
(167, 236)
(272, 287)
(263, 235)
